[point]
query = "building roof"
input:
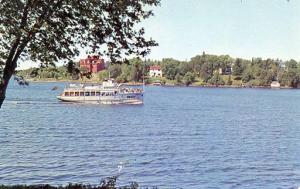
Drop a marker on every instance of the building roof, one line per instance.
(155, 67)
(92, 59)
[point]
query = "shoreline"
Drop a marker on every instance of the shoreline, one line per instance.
(78, 81)
(227, 86)
(165, 85)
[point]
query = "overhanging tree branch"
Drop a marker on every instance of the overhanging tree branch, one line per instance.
(51, 30)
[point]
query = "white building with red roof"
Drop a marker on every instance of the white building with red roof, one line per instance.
(155, 71)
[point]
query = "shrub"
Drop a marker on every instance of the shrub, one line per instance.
(188, 78)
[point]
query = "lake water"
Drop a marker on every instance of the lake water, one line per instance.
(180, 137)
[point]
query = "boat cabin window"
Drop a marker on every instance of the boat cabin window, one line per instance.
(67, 94)
(71, 93)
(81, 93)
(97, 93)
(92, 93)
(87, 93)
(76, 93)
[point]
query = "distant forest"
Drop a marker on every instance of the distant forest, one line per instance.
(201, 70)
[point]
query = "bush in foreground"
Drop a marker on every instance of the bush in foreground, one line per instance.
(109, 183)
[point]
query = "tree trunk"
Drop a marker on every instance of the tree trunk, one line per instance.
(8, 72)
(2, 95)
(3, 87)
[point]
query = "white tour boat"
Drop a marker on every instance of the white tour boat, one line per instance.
(107, 93)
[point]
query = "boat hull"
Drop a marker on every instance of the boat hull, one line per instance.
(137, 99)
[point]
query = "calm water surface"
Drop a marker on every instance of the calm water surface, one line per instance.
(180, 137)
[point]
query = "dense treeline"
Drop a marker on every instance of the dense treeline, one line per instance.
(202, 69)
(215, 70)
(132, 70)
(45, 73)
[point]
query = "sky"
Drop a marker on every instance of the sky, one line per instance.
(239, 28)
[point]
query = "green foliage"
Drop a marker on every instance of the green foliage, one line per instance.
(185, 67)
(247, 76)
(52, 30)
(253, 82)
(103, 75)
(45, 73)
(216, 80)
(265, 78)
(290, 76)
(136, 69)
(109, 183)
(133, 71)
(238, 67)
(206, 72)
(188, 78)
(115, 70)
(148, 80)
(55, 30)
(255, 72)
(163, 81)
(229, 80)
(178, 78)
(121, 79)
(170, 68)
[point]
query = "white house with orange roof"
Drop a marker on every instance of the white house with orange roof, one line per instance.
(155, 71)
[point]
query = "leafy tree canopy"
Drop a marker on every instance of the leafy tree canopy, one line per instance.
(52, 30)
